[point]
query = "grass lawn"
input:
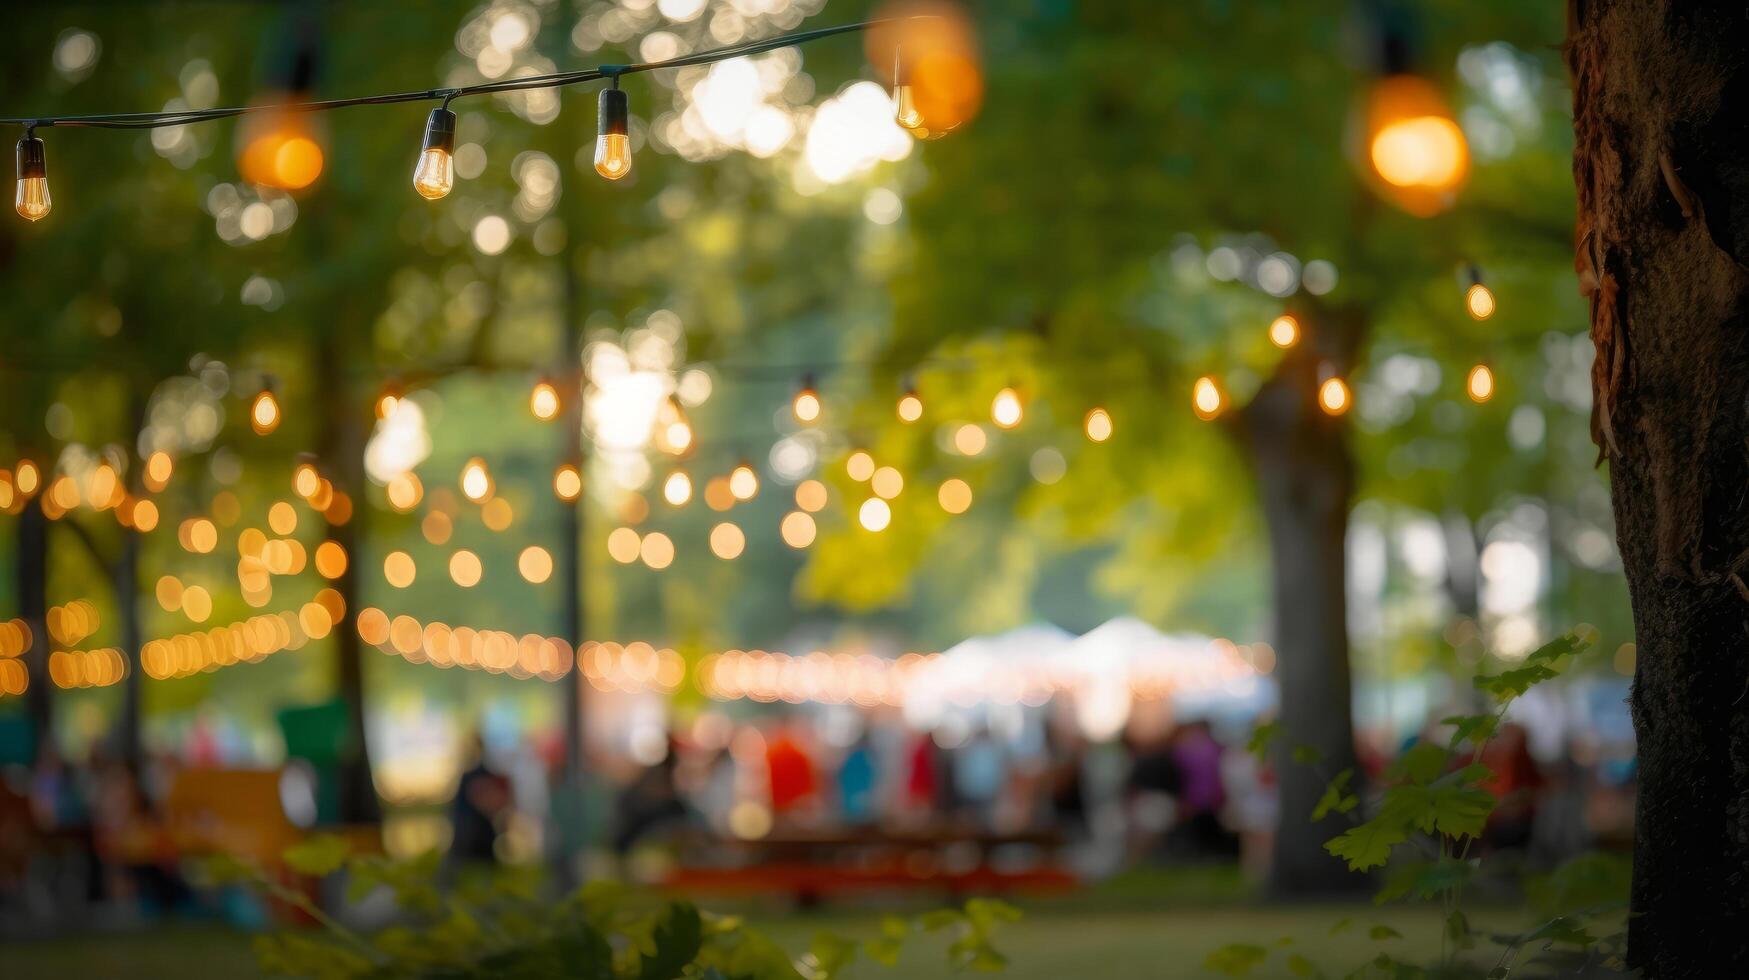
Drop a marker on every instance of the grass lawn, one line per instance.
(1158, 927)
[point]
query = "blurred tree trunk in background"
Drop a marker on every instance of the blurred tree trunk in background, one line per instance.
(31, 575)
(1661, 163)
(341, 451)
(1305, 475)
(131, 633)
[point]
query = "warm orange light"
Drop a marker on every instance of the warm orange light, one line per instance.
(1333, 396)
(811, 496)
(264, 412)
(797, 529)
(543, 401)
(1414, 145)
(1284, 331)
(567, 483)
(159, 466)
(874, 515)
(306, 482)
(476, 481)
(955, 496)
(743, 482)
(613, 155)
(1206, 398)
(910, 407)
(535, 564)
(1480, 383)
(280, 150)
(1098, 425)
(1479, 301)
(727, 541)
(29, 477)
(860, 465)
(677, 489)
(938, 83)
(464, 568)
(806, 406)
(1005, 410)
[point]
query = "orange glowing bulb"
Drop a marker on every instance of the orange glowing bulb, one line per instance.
(1333, 396)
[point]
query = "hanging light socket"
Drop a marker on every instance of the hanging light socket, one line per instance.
(613, 144)
(33, 178)
(434, 175)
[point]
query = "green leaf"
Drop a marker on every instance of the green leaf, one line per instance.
(1306, 755)
(1422, 763)
(1262, 737)
(1510, 684)
(1422, 879)
(1368, 845)
(318, 856)
(1299, 966)
(884, 951)
(1471, 728)
(1336, 798)
(677, 939)
(1457, 810)
(1457, 930)
(831, 954)
(1236, 959)
(1382, 932)
(988, 913)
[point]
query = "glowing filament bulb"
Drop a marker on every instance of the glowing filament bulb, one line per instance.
(567, 483)
(476, 480)
(1206, 398)
(807, 404)
(1098, 425)
(910, 407)
(743, 482)
(1005, 411)
(613, 145)
(1479, 301)
(32, 202)
(543, 401)
(434, 174)
(905, 111)
(264, 412)
(677, 489)
(306, 482)
(1480, 383)
(1333, 396)
(1284, 332)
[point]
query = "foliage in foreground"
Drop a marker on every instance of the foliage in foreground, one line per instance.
(502, 926)
(1417, 838)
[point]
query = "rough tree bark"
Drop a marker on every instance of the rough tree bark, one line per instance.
(1305, 475)
(1661, 164)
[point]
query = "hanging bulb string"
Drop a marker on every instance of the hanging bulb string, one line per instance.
(159, 120)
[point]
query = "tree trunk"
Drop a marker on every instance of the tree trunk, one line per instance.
(1660, 151)
(31, 571)
(1305, 475)
(342, 454)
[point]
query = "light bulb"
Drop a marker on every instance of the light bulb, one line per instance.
(543, 402)
(434, 174)
(476, 480)
(613, 145)
(264, 412)
(905, 108)
(1480, 383)
(1206, 398)
(33, 179)
(807, 404)
(1479, 301)
(1284, 331)
(1333, 396)
(1098, 425)
(1005, 410)
(743, 482)
(910, 407)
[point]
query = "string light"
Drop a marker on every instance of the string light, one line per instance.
(1480, 383)
(1478, 298)
(264, 412)
(1206, 398)
(613, 143)
(388, 398)
(860, 465)
(887, 482)
(434, 174)
(1284, 331)
(543, 401)
(807, 403)
(476, 480)
(743, 482)
(567, 483)
(1098, 425)
(281, 151)
(28, 478)
(32, 203)
(677, 489)
(535, 564)
(955, 496)
(874, 515)
(910, 406)
(797, 529)
(1333, 396)
(1005, 409)
(727, 541)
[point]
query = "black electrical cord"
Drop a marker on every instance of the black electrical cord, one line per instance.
(159, 120)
